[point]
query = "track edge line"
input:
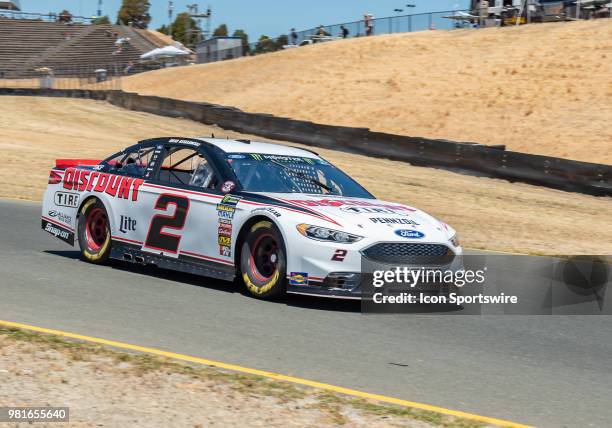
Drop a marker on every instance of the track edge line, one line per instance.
(269, 375)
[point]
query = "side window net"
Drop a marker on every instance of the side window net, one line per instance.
(187, 167)
(134, 164)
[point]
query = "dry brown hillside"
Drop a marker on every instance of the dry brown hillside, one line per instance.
(544, 88)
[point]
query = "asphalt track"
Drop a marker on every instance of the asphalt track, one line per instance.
(540, 370)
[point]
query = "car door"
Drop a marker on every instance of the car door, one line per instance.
(183, 196)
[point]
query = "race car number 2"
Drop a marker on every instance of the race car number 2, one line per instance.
(157, 237)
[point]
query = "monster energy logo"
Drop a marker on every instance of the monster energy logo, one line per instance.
(282, 158)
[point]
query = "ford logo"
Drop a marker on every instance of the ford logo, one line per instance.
(413, 234)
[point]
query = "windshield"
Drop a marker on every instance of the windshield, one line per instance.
(291, 174)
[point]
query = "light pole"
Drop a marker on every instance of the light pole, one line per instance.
(193, 13)
(205, 15)
(398, 11)
(170, 10)
(410, 5)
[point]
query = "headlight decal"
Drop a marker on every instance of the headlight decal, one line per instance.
(319, 233)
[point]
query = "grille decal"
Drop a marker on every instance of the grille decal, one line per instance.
(409, 253)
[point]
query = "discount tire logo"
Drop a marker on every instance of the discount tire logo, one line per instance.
(66, 199)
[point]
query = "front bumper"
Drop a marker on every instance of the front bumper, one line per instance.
(333, 270)
(359, 285)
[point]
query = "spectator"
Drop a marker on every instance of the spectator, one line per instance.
(65, 17)
(344, 32)
(128, 68)
(294, 37)
(368, 20)
(321, 31)
(320, 34)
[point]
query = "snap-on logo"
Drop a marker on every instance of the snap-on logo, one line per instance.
(57, 232)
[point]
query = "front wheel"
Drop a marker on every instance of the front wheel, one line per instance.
(263, 261)
(94, 232)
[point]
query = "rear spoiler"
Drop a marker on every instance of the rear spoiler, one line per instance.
(67, 163)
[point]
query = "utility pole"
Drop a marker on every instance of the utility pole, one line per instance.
(578, 9)
(99, 8)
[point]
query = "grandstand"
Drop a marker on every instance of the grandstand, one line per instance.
(69, 49)
(9, 5)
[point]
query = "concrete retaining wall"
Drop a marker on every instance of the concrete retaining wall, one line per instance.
(565, 174)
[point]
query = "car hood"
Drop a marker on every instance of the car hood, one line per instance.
(383, 220)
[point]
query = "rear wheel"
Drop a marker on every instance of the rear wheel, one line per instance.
(94, 232)
(263, 261)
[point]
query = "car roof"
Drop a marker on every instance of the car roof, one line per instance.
(248, 146)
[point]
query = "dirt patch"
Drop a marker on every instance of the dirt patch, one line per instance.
(488, 213)
(542, 89)
(104, 387)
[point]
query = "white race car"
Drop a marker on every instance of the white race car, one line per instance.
(281, 218)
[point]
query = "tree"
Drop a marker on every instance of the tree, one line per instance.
(164, 30)
(101, 20)
(245, 41)
(185, 29)
(134, 12)
(281, 41)
(221, 31)
(264, 45)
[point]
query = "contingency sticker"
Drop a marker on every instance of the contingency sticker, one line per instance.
(298, 278)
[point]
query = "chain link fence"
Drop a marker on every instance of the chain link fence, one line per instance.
(100, 76)
(387, 25)
(45, 17)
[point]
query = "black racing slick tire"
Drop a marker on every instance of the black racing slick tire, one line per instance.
(94, 232)
(263, 261)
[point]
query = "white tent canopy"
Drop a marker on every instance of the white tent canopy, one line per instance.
(165, 52)
(460, 15)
